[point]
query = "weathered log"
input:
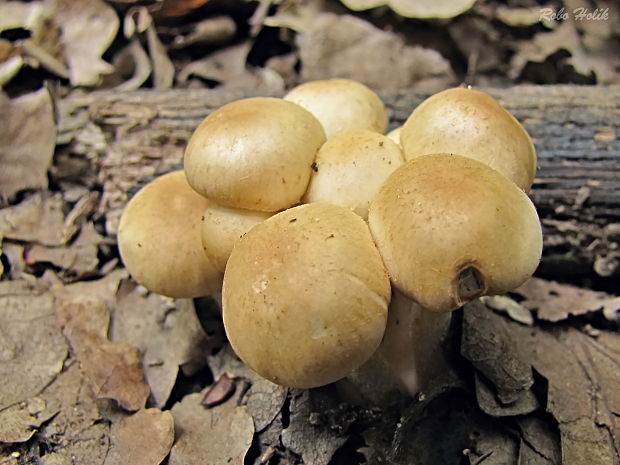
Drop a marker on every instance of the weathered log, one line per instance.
(118, 140)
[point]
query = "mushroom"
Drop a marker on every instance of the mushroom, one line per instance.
(450, 229)
(341, 104)
(254, 154)
(394, 134)
(305, 296)
(409, 358)
(159, 239)
(222, 227)
(351, 167)
(473, 124)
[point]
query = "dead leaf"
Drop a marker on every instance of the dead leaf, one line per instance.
(219, 435)
(174, 8)
(32, 349)
(144, 438)
(487, 344)
(80, 257)
(522, 17)
(449, 428)
(114, 370)
(141, 65)
(27, 142)
(77, 433)
(228, 67)
(163, 69)
(88, 28)
(315, 444)
(580, 397)
(263, 398)
(553, 301)
(422, 9)
(563, 37)
(540, 442)
(339, 46)
(219, 391)
(20, 422)
(39, 219)
(513, 309)
(488, 402)
(216, 29)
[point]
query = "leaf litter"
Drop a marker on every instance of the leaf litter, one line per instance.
(549, 393)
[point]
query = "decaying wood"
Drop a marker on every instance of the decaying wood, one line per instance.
(119, 140)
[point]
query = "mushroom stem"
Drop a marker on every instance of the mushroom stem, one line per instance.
(409, 357)
(412, 343)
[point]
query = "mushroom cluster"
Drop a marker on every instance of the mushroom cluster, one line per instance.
(335, 246)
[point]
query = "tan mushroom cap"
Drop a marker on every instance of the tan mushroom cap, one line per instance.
(351, 167)
(254, 154)
(450, 229)
(159, 239)
(394, 134)
(341, 104)
(305, 296)
(222, 227)
(473, 124)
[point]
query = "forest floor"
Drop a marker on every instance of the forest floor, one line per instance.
(98, 97)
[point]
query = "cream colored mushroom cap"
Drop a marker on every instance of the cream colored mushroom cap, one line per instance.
(450, 229)
(341, 104)
(159, 239)
(222, 227)
(473, 124)
(351, 167)
(394, 134)
(305, 296)
(254, 154)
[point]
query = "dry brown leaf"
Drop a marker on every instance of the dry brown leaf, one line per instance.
(263, 398)
(228, 67)
(582, 391)
(563, 37)
(553, 301)
(423, 9)
(163, 69)
(32, 349)
(114, 370)
(27, 142)
(39, 219)
(540, 442)
(340, 46)
(219, 435)
(77, 433)
(174, 8)
(144, 438)
(80, 257)
(88, 28)
(486, 342)
(20, 422)
(140, 62)
(314, 444)
(210, 30)
(166, 331)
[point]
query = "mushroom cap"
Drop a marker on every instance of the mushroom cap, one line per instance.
(254, 154)
(222, 227)
(394, 134)
(450, 228)
(159, 239)
(473, 124)
(351, 167)
(341, 104)
(305, 295)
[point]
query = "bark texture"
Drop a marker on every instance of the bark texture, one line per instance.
(118, 141)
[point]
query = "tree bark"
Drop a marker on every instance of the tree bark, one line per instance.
(118, 141)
